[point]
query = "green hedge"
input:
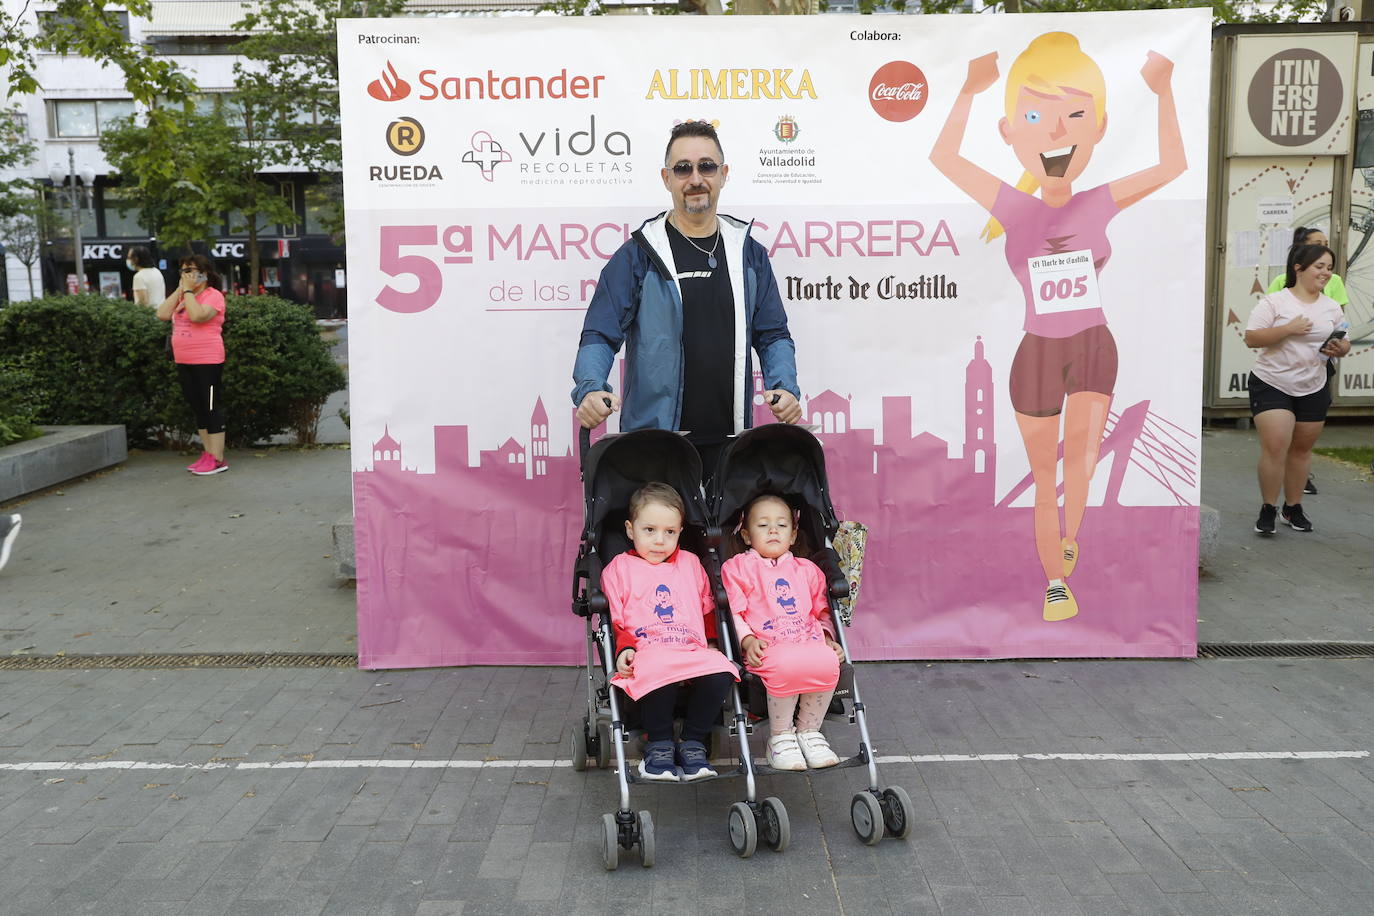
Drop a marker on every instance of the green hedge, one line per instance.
(16, 404)
(90, 359)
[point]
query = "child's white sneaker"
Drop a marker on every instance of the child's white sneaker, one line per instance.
(816, 750)
(784, 753)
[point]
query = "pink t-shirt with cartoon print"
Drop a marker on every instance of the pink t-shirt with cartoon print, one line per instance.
(783, 602)
(662, 611)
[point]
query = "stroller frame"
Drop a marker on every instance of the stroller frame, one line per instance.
(795, 471)
(747, 820)
(874, 811)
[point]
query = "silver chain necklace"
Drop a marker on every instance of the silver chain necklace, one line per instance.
(710, 255)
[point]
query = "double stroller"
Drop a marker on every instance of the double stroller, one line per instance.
(775, 459)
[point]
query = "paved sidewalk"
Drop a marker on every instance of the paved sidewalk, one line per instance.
(1312, 587)
(245, 826)
(259, 791)
(146, 558)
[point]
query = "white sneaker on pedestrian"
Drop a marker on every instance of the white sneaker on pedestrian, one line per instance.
(9, 530)
(783, 753)
(816, 750)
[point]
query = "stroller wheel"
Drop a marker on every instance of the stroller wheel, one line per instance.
(774, 825)
(898, 812)
(866, 814)
(603, 744)
(744, 831)
(610, 841)
(579, 740)
(646, 839)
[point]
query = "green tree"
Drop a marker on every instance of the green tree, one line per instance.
(22, 233)
(254, 203)
(184, 170)
(85, 28)
(16, 152)
(289, 79)
(167, 160)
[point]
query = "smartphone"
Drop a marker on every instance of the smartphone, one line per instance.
(1335, 335)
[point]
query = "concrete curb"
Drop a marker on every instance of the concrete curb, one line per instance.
(345, 557)
(62, 453)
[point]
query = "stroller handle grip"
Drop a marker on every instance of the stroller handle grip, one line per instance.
(584, 441)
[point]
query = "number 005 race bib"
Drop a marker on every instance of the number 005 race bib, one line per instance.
(1064, 282)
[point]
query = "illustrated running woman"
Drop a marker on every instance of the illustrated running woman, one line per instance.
(1056, 246)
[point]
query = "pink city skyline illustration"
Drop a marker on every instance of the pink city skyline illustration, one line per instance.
(472, 564)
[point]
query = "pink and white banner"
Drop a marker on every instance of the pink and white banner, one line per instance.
(959, 373)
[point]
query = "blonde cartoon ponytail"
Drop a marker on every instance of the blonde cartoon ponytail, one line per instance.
(1052, 62)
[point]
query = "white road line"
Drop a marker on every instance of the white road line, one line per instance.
(374, 764)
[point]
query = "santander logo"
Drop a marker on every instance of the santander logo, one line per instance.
(898, 91)
(390, 88)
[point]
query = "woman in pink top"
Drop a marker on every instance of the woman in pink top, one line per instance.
(661, 613)
(783, 621)
(1056, 114)
(1289, 394)
(196, 310)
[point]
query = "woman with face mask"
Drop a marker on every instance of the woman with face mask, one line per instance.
(149, 286)
(196, 310)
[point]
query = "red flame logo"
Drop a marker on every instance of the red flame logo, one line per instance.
(390, 88)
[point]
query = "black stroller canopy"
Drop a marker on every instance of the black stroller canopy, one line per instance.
(617, 465)
(774, 458)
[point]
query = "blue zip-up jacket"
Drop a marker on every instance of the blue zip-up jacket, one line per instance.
(638, 303)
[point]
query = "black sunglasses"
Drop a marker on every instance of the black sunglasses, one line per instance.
(705, 167)
(190, 270)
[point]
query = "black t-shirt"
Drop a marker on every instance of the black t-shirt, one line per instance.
(708, 338)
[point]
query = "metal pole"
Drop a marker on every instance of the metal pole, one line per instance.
(76, 222)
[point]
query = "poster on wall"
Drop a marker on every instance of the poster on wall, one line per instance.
(1291, 94)
(993, 330)
(110, 285)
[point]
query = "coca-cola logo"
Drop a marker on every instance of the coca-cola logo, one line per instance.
(898, 91)
(390, 88)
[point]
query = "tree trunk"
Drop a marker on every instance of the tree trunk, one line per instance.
(28, 269)
(254, 256)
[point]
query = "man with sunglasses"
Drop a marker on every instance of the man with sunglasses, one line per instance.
(692, 297)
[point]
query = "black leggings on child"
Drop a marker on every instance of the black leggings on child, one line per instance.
(704, 698)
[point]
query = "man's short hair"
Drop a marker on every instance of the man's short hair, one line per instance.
(692, 129)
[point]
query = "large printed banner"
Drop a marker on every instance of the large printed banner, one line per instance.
(1011, 406)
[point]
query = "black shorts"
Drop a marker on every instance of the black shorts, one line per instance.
(1310, 408)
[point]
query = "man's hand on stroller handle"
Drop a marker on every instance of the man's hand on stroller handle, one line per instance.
(625, 663)
(596, 407)
(784, 405)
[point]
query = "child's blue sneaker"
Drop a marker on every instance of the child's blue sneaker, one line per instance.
(691, 756)
(657, 762)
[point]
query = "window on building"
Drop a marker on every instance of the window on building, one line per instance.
(179, 45)
(50, 22)
(319, 207)
(122, 217)
(87, 117)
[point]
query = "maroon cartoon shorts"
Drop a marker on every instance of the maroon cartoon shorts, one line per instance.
(1048, 369)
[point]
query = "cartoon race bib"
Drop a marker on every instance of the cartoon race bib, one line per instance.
(1064, 282)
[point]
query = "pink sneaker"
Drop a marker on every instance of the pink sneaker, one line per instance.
(203, 461)
(213, 466)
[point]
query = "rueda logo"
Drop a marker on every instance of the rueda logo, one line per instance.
(390, 87)
(405, 136)
(898, 91)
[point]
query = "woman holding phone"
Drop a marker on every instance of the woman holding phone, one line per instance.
(196, 310)
(1296, 330)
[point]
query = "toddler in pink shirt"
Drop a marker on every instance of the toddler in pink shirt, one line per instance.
(661, 608)
(786, 634)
